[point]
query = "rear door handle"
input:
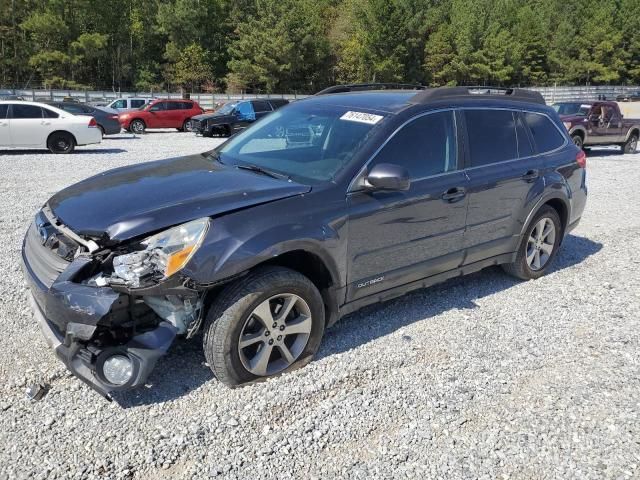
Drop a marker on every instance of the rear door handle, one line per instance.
(454, 194)
(531, 175)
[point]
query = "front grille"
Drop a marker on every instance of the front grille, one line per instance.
(44, 262)
(195, 125)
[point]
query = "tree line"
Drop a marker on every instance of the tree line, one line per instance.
(304, 45)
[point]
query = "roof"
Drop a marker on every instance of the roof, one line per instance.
(393, 101)
(388, 101)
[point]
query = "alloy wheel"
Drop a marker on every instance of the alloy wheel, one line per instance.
(541, 243)
(275, 334)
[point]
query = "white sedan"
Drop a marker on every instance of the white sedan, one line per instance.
(36, 125)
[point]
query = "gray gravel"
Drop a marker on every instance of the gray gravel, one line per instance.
(483, 377)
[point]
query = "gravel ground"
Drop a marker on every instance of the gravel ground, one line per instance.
(482, 377)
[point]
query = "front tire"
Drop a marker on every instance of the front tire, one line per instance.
(631, 145)
(268, 322)
(61, 142)
(137, 126)
(186, 126)
(538, 246)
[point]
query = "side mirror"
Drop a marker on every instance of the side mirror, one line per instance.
(388, 176)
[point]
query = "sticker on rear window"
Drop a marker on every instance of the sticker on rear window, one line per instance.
(362, 117)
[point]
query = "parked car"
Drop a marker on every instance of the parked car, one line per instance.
(599, 123)
(161, 114)
(108, 123)
(262, 243)
(124, 104)
(234, 116)
(629, 97)
(36, 125)
(10, 97)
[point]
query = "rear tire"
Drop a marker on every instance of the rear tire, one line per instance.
(577, 141)
(137, 126)
(631, 145)
(538, 246)
(250, 312)
(61, 142)
(186, 126)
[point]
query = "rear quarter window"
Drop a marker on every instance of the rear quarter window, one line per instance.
(492, 136)
(545, 134)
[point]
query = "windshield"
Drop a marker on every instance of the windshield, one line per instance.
(572, 108)
(305, 141)
(226, 108)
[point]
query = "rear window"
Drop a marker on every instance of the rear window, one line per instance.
(545, 134)
(49, 113)
(492, 136)
(21, 111)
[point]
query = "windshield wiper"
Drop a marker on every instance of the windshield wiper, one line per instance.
(215, 156)
(263, 171)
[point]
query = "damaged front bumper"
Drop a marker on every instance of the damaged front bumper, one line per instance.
(72, 316)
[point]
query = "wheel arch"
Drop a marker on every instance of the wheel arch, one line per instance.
(75, 140)
(634, 129)
(559, 203)
(578, 131)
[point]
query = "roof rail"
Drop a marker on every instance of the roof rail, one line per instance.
(357, 87)
(458, 93)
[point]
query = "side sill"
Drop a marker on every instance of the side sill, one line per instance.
(395, 292)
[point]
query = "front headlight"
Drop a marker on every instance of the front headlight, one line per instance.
(165, 253)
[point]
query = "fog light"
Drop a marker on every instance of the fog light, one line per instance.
(117, 369)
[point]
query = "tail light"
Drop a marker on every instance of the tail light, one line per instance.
(581, 159)
(93, 123)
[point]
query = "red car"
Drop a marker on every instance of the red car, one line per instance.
(161, 114)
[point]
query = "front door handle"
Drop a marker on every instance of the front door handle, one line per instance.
(531, 175)
(454, 194)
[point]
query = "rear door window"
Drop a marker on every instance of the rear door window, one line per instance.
(245, 111)
(525, 149)
(545, 134)
(261, 106)
(49, 113)
(426, 146)
(492, 136)
(4, 109)
(137, 103)
(22, 111)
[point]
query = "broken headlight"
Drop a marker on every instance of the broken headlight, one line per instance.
(164, 254)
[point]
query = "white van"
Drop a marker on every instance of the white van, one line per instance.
(122, 104)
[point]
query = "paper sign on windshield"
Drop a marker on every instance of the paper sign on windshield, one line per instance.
(362, 117)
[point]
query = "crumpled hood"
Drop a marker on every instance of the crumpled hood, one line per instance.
(132, 201)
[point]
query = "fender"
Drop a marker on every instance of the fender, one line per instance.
(226, 256)
(579, 129)
(633, 128)
(541, 201)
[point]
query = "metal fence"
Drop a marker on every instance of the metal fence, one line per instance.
(208, 100)
(569, 94)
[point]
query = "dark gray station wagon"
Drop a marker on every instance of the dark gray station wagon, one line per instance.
(318, 209)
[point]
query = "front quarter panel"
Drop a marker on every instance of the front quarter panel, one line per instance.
(238, 241)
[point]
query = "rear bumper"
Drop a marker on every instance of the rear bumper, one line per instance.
(70, 314)
(89, 136)
(112, 127)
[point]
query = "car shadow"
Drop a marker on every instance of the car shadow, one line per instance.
(76, 152)
(184, 368)
(604, 153)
